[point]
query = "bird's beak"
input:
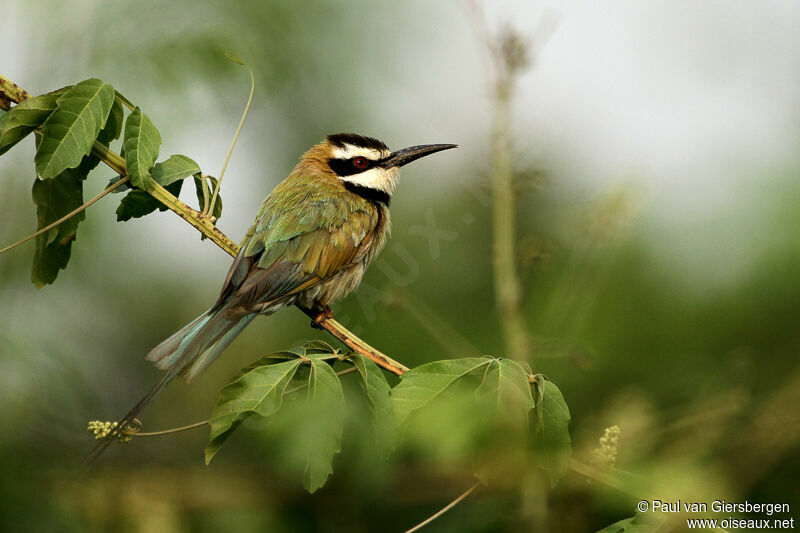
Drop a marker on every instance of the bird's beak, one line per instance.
(407, 155)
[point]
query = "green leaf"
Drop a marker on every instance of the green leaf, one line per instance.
(420, 386)
(173, 169)
(379, 400)
(506, 391)
(323, 418)
(504, 402)
(551, 439)
(71, 130)
(170, 174)
(55, 198)
(138, 203)
(635, 524)
(24, 118)
(113, 126)
(141, 144)
(258, 390)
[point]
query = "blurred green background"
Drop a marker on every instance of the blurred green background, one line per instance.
(658, 243)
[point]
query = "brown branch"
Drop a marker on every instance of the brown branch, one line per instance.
(357, 345)
(10, 92)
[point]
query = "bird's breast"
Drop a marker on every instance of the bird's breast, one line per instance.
(347, 279)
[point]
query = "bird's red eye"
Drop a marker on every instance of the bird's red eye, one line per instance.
(360, 162)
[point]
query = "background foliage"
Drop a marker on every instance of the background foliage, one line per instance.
(658, 244)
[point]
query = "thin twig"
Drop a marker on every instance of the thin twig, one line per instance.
(134, 433)
(67, 216)
(166, 431)
(445, 509)
(209, 210)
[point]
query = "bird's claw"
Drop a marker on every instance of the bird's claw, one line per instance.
(321, 317)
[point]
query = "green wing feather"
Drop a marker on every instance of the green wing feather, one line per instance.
(306, 231)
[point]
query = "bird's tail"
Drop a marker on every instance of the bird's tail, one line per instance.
(186, 353)
(190, 350)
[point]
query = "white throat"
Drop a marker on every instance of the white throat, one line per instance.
(378, 178)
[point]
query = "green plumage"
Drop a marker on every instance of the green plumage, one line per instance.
(301, 206)
(309, 245)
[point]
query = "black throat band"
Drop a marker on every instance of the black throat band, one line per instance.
(368, 193)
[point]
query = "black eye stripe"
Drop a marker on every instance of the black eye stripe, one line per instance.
(346, 167)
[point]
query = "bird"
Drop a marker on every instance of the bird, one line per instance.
(314, 236)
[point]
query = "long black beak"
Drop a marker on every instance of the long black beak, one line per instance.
(407, 155)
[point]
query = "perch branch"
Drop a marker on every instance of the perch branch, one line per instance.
(11, 92)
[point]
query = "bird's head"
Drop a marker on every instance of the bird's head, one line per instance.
(365, 162)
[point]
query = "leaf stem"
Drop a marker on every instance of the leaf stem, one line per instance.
(444, 509)
(209, 210)
(124, 101)
(136, 433)
(167, 431)
(67, 216)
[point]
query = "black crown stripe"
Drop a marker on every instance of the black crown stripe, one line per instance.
(339, 139)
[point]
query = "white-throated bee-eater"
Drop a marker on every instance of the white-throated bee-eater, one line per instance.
(309, 246)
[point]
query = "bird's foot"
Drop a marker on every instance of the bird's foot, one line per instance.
(322, 315)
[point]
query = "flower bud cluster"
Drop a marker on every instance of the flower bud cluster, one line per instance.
(104, 430)
(608, 445)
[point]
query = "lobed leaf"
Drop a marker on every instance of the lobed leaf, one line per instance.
(258, 390)
(25, 117)
(141, 145)
(323, 418)
(379, 399)
(70, 131)
(170, 174)
(551, 439)
(420, 386)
